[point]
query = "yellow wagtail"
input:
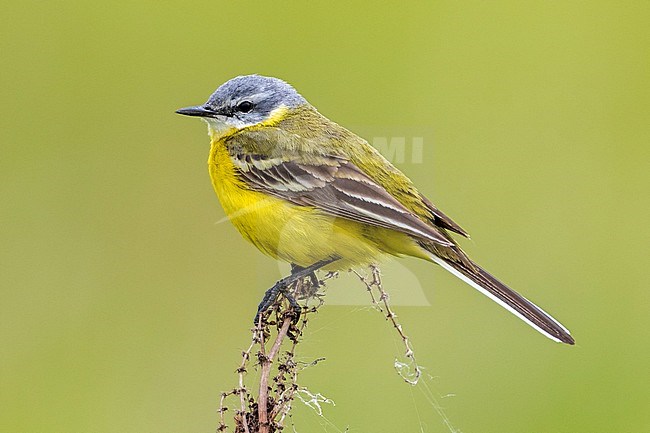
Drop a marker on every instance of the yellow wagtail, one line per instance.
(305, 190)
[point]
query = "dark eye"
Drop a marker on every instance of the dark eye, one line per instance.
(245, 106)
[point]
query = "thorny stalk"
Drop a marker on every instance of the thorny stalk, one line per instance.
(267, 413)
(266, 361)
(373, 282)
(241, 390)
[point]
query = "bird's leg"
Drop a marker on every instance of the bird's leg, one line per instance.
(312, 276)
(282, 287)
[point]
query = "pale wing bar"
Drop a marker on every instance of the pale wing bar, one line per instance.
(336, 186)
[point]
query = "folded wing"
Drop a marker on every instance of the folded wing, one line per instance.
(336, 186)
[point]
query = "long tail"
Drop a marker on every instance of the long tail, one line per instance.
(512, 301)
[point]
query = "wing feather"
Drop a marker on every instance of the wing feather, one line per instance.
(337, 187)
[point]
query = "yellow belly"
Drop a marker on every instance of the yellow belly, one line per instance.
(298, 234)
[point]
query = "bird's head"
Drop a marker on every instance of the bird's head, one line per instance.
(245, 101)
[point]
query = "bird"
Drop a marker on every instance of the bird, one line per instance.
(307, 191)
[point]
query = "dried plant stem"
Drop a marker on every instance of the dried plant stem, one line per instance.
(266, 360)
(278, 380)
(278, 371)
(374, 282)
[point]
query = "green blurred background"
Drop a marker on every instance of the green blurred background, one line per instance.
(124, 306)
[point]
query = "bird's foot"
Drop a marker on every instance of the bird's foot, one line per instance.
(282, 288)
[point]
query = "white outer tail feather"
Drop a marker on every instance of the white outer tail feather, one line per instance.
(458, 274)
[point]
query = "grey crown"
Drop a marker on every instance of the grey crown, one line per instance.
(265, 93)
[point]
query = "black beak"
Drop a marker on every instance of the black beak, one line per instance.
(199, 110)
